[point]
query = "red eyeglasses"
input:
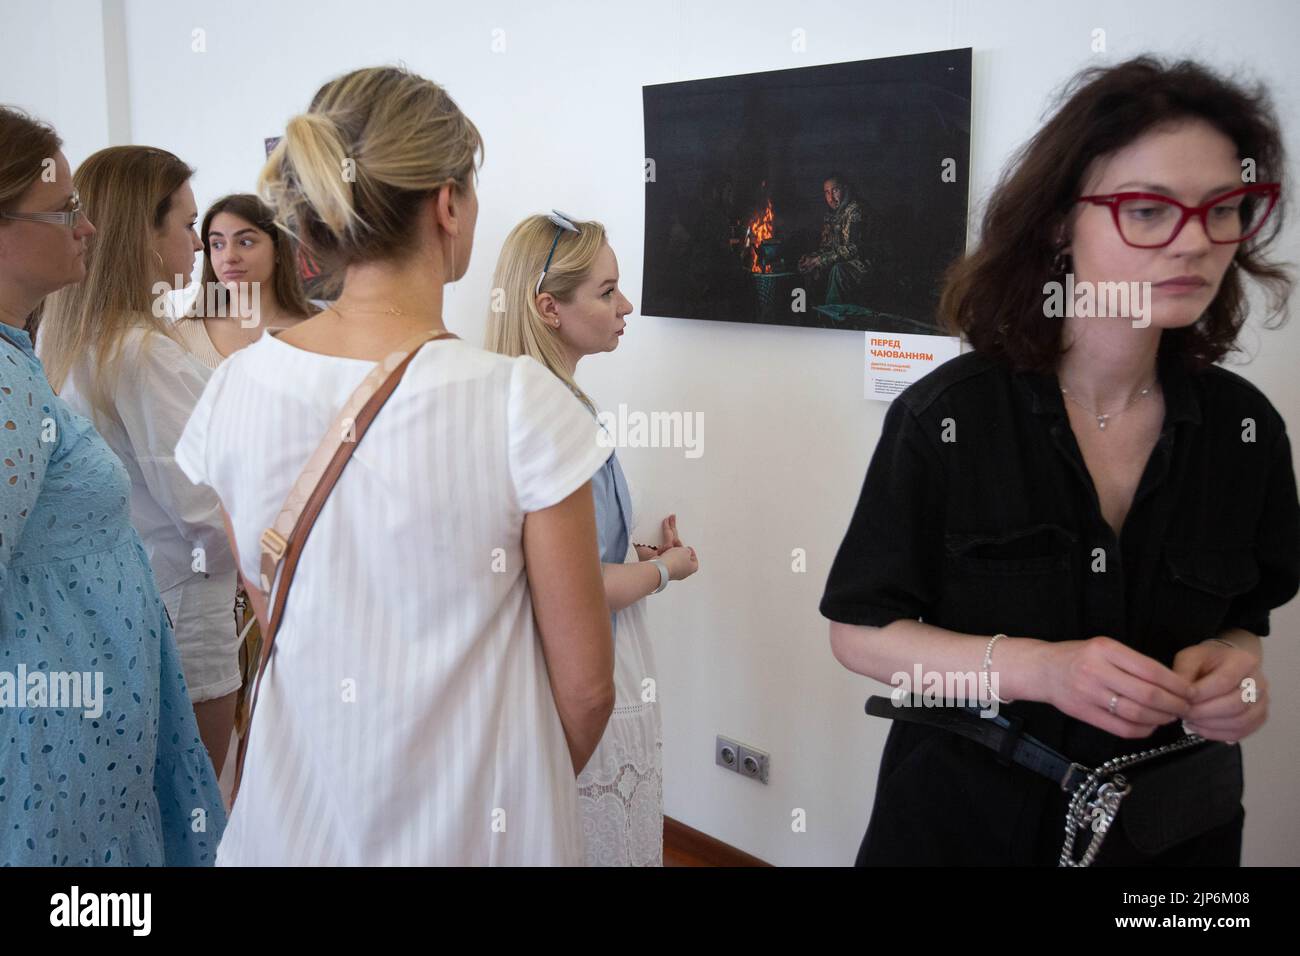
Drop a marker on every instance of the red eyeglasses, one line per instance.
(1151, 221)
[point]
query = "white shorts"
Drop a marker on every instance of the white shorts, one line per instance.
(202, 610)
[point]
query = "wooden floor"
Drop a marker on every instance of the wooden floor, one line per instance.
(685, 846)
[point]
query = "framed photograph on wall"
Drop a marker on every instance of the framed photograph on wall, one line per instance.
(827, 196)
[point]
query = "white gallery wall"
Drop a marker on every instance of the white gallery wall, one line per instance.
(555, 89)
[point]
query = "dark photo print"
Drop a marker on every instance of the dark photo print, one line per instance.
(830, 196)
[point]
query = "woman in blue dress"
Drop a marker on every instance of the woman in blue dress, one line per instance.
(100, 757)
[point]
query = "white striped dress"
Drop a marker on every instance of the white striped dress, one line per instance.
(407, 717)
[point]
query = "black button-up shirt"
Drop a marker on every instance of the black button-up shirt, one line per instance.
(978, 515)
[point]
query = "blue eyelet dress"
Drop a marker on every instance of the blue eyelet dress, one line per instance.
(100, 758)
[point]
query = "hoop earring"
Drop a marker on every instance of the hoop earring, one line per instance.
(161, 264)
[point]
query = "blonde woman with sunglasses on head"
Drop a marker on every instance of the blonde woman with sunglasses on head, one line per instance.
(561, 302)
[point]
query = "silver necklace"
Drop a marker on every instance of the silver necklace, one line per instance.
(1102, 419)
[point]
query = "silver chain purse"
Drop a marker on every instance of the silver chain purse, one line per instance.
(1097, 799)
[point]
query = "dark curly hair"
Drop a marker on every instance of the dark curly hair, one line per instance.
(993, 296)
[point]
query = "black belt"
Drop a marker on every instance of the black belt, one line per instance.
(1000, 734)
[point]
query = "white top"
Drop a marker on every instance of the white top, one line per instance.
(407, 716)
(157, 386)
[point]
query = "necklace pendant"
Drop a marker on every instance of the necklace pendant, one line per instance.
(1101, 421)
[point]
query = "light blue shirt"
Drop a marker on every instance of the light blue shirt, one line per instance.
(613, 515)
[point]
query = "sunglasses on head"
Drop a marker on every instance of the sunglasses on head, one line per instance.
(563, 223)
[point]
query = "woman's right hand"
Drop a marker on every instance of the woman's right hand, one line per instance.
(681, 561)
(1081, 677)
(572, 615)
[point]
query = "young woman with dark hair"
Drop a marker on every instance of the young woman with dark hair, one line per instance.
(249, 284)
(1087, 512)
(250, 281)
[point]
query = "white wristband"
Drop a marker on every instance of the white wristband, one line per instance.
(663, 574)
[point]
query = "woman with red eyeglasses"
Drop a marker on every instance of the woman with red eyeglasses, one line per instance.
(1086, 515)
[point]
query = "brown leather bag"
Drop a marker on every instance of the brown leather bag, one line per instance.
(282, 543)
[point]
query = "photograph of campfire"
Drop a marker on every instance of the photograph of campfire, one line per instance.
(827, 196)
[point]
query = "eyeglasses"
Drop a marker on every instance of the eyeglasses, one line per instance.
(563, 223)
(69, 217)
(1151, 221)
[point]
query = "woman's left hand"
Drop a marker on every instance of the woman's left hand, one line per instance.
(1229, 691)
(671, 539)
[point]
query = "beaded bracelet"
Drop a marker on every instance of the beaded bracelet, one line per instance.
(988, 659)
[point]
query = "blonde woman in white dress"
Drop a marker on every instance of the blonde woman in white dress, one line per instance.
(559, 278)
(443, 667)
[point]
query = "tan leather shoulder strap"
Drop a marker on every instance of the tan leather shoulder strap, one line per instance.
(283, 542)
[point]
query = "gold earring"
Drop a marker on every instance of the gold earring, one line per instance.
(161, 264)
